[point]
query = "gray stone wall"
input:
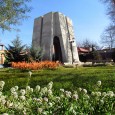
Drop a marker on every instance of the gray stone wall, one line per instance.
(53, 27)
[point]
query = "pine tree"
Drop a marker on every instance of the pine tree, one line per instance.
(15, 52)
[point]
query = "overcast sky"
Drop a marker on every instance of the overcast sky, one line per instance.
(88, 16)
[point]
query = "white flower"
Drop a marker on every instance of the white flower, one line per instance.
(104, 94)
(15, 95)
(23, 92)
(87, 96)
(37, 88)
(0, 93)
(24, 111)
(13, 90)
(40, 110)
(35, 99)
(85, 91)
(16, 88)
(20, 106)
(15, 105)
(75, 96)
(68, 93)
(49, 92)
(3, 101)
(39, 100)
(74, 112)
(44, 90)
(50, 104)
(62, 96)
(80, 89)
(110, 93)
(86, 102)
(101, 101)
(98, 93)
(92, 109)
(93, 93)
(71, 108)
(62, 90)
(2, 97)
(99, 83)
(57, 98)
(9, 104)
(5, 114)
(45, 99)
(50, 85)
(44, 113)
(22, 98)
(2, 83)
(75, 92)
(30, 73)
(27, 88)
(31, 90)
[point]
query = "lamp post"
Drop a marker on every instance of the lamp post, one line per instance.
(71, 41)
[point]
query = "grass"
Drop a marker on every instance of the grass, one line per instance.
(67, 78)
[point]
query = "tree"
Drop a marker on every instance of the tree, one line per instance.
(15, 52)
(86, 43)
(12, 12)
(34, 54)
(111, 12)
(111, 8)
(108, 38)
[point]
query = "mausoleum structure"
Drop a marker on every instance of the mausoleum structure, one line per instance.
(54, 34)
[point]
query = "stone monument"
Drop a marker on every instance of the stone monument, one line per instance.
(54, 34)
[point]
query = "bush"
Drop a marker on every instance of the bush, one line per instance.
(35, 65)
(43, 101)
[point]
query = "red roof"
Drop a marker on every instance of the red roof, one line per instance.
(83, 50)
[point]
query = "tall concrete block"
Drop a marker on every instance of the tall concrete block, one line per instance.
(47, 36)
(54, 33)
(36, 40)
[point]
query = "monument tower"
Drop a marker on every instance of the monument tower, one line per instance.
(54, 34)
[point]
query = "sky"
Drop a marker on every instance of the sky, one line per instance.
(88, 16)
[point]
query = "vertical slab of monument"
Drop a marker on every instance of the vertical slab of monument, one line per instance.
(54, 34)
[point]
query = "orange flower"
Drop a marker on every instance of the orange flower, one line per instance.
(36, 65)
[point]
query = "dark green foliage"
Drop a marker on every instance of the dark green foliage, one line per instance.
(95, 55)
(12, 12)
(113, 56)
(34, 54)
(15, 52)
(83, 57)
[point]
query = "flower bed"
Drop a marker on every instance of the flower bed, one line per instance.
(35, 65)
(43, 101)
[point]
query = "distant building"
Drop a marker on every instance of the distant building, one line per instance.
(82, 50)
(2, 58)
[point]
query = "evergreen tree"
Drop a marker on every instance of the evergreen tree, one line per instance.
(95, 55)
(34, 54)
(15, 52)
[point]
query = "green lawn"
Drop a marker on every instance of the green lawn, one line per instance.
(68, 78)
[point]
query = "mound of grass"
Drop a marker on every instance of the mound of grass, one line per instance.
(67, 78)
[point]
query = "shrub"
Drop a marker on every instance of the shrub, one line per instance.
(43, 101)
(15, 52)
(35, 65)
